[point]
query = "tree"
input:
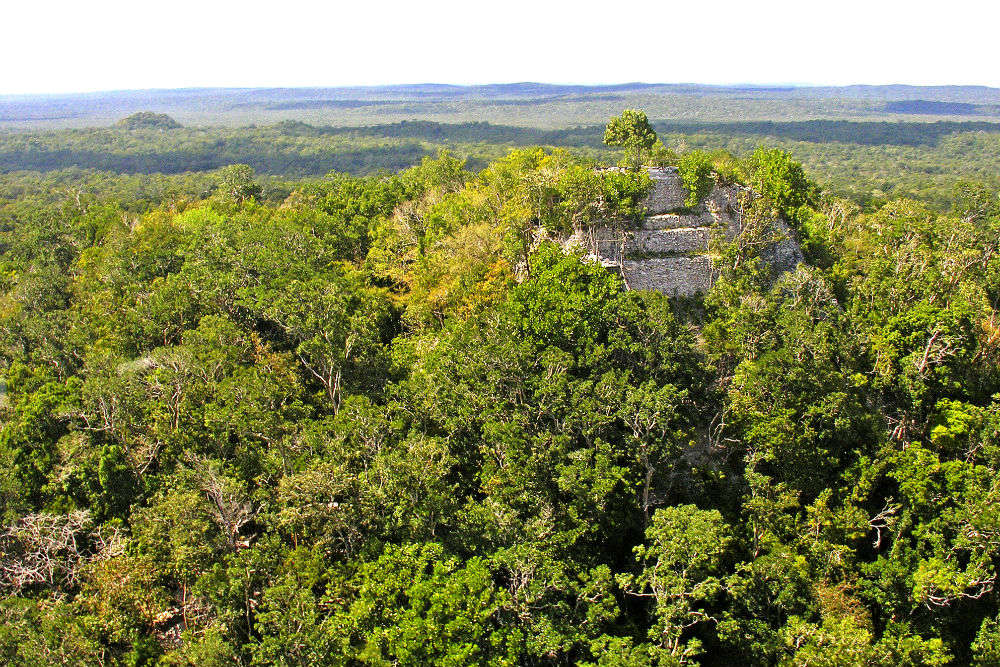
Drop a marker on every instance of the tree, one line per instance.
(774, 175)
(389, 421)
(237, 184)
(335, 327)
(696, 174)
(413, 605)
(986, 646)
(633, 132)
(684, 550)
(34, 632)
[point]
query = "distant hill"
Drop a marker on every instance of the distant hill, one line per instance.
(148, 120)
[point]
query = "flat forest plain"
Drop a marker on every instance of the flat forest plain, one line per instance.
(869, 143)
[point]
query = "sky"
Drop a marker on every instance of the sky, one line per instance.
(75, 46)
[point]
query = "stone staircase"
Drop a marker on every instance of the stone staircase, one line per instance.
(670, 251)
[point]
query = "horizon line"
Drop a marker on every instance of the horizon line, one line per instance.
(386, 86)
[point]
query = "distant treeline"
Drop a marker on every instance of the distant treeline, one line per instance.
(817, 131)
(933, 107)
(267, 150)
(322, 104)
(853, 132)
(400, 105)
(867, 161)
(589, 136)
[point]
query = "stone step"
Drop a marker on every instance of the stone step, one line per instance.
(661, 241)
(688, 239)
(674, 221)
(675, 276)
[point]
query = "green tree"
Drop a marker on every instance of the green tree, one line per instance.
(236, 184)
(695, 168)
(774, 175)
(683, 551)
(633, 132)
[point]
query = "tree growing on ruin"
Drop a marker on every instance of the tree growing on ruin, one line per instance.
(696, 174)
(633, 132)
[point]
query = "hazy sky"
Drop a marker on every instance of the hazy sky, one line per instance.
(67, 46)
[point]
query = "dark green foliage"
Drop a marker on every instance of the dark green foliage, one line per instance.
(870, 161)
(632, 131)
(145, 150)
(148, 120)
(390, 420)
(780, 180)
(696, 175)
(236, 184)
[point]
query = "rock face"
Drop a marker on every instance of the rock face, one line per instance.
(668, 193)
(670, 250)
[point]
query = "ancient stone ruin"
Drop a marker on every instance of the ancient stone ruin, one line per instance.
(671, 250)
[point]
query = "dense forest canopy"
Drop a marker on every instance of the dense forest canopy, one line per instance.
(869, 162)
(390, 419)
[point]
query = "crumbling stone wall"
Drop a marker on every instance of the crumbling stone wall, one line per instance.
(670, 251)
(668, 193)
(674, 276)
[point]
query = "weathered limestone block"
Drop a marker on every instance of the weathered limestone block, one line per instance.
(688, 240)
(610, 243)
(722, 206)
(668, 192)
(675, 276)
(675, 221)
(611, 249)
(786, 254)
